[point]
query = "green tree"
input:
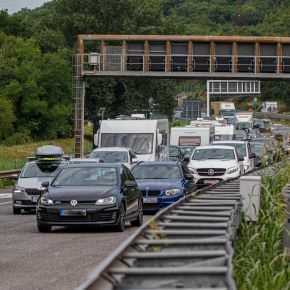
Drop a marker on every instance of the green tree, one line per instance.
(6, 117)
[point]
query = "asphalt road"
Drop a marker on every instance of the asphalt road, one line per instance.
(61, 259)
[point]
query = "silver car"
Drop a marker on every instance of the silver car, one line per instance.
(28, 186)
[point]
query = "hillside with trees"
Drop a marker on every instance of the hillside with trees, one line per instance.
(36, 48)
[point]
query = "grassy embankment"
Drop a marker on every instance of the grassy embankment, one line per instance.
(14, 157)
(260, 263)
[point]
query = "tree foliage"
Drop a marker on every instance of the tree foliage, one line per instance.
(36, 47)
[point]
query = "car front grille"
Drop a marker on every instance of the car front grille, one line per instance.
(150, 193)
(90, 217)
(211, 171)
(33, 191)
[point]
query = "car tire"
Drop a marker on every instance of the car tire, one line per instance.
(120, 227)
(139, 219)
(16, 210)
(43, 228)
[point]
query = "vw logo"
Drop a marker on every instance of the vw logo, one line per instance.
(73, 202)
(210, 172)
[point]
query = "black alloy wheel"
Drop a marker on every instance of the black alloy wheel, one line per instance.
(120, 227)
(139, 219)
(43, 228)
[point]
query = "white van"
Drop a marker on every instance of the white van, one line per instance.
(224, 132)
(148, 139)
(191, 135)
(243, 149)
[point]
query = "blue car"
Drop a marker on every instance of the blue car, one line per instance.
(162, 183)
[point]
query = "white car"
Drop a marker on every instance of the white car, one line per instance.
(211, 164)
(114, 155)
(243, 149)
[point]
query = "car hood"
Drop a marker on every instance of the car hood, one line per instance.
(212, 163)
(34, 182)
(158, 184)
(80, 193)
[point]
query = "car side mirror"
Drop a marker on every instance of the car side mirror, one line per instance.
(240, 159)
(188, 177)
(45, 184)
(252, 155)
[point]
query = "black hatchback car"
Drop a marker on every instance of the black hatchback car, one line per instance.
(91, 194)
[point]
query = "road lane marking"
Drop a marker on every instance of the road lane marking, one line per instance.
(5, 203)
(5, 195)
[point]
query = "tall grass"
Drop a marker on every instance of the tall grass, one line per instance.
(12, 157)
(260, 263)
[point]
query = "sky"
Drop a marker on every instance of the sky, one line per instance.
(16, 5)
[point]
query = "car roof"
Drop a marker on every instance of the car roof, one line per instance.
(215, 146)
(94, 164)
(230, 142)
(166, 162)
(119, 149)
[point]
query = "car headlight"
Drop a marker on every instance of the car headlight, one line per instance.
(232, 170)
(18, 189)
(106, 200)
(172, 191)
(46, 201)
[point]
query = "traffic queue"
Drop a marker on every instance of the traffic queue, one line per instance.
(138, 165)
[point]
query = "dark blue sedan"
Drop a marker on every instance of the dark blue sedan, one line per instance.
(162, 183)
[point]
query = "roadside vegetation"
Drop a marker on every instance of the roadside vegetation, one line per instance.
(260, 263)
(14, 157)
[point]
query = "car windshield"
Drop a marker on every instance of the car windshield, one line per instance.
(187, 150)
(139, 143)
(33, 170)
(111, 156)
(157, 172)
(173, 151)
(243, 125)
(213, 153)
(87, 176)
(258, 148)
(240, 148)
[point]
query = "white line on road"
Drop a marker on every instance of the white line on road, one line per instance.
(4, 203)
(5, 195)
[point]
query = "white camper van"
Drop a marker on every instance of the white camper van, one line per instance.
(191, 135)
(148, 139)
(224, 132)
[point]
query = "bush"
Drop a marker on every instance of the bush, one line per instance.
(18, 138)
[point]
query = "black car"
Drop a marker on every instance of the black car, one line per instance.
(92, 194)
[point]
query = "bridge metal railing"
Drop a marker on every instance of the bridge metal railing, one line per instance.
(94, 63)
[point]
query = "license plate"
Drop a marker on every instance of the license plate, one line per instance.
(211, 181)
(72, 212)
(34, 198)
(150, 199)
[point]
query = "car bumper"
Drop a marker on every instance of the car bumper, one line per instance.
(94, 216)
(161, 203)
(207, 179)
(23, 200)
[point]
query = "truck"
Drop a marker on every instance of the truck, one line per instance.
(191, 135)
(148, 139)
(226, 110)
(244, 121)
(269, 107)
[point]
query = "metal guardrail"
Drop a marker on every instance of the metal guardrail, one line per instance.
(274, 116)
(9, 173)
(187, 245)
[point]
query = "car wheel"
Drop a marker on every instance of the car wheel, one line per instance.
(120, 227)
(43, 228)
(139, 219)
(16, 210)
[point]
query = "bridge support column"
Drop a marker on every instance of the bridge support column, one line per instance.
(207, 99)
(78, 91)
